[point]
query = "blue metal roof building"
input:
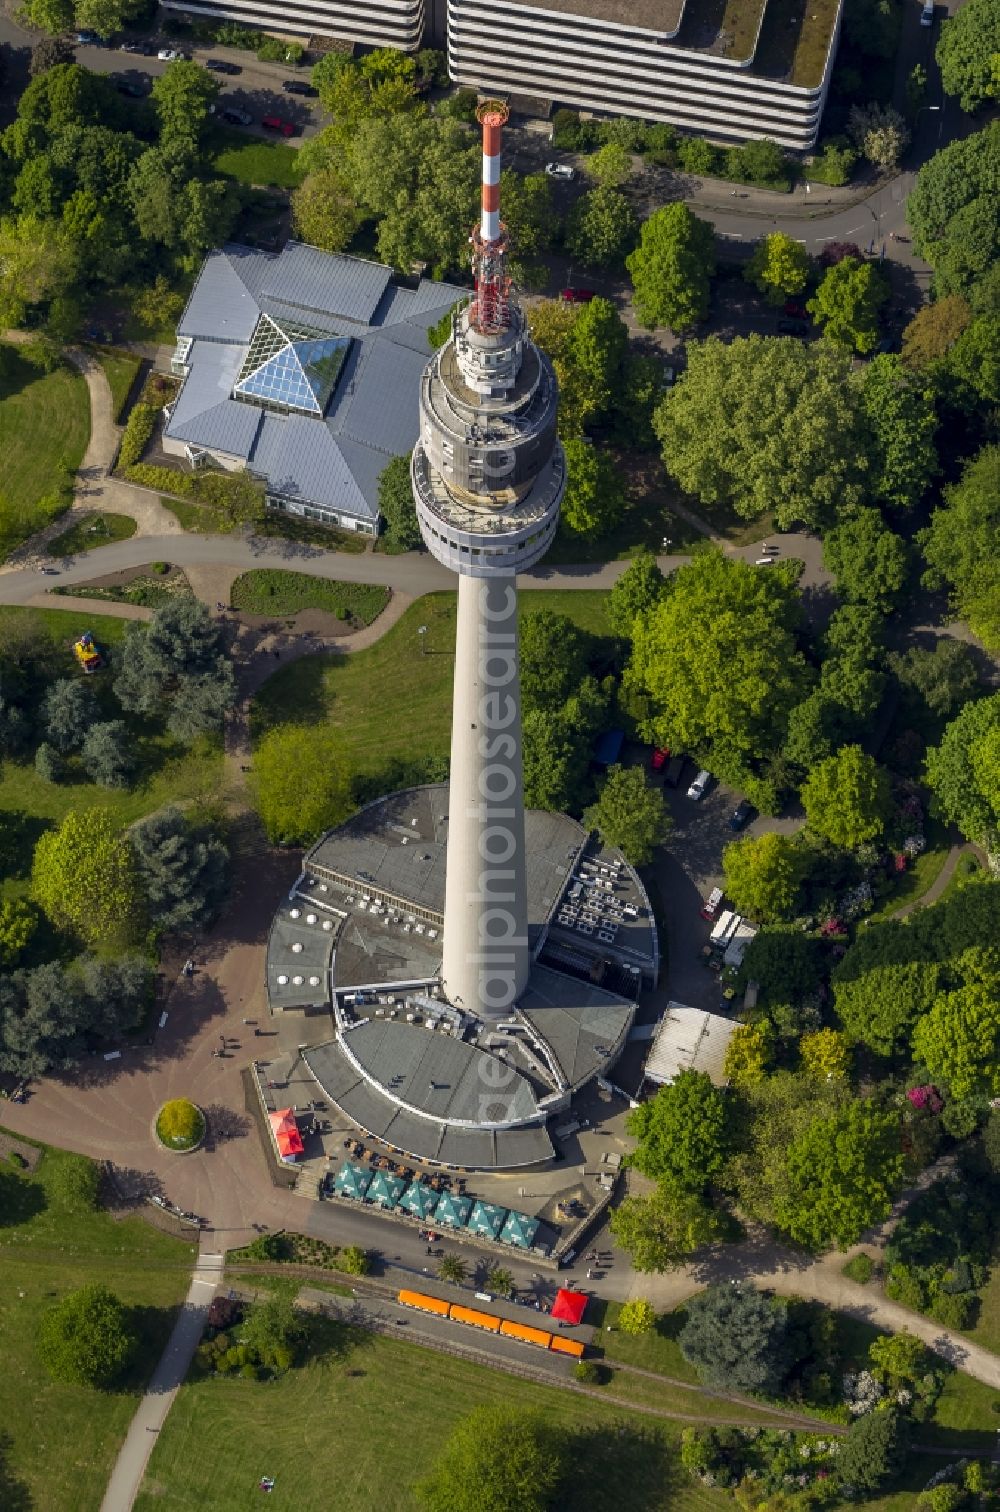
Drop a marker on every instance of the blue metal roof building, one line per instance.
(303, 367)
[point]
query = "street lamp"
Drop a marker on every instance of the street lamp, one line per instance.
(422, 631)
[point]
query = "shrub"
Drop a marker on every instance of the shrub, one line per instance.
(637, 1316)
(160, 567)
(953, 1309)
(860, 1269)
(17, 1159)
(136, 435)
(587, 1371)
(180, 1124)
(354, 1260)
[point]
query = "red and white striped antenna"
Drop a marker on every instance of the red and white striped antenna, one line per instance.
(490, 312)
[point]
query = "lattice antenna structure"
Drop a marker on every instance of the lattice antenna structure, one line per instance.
(490, 312)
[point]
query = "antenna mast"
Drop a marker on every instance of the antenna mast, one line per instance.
(490, 312)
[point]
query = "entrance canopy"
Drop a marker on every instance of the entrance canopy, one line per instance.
(519, 1230)
(286, 1134)
(352, 1181)
(569, 1305)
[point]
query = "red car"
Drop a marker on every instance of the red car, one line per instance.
(659, 758)
(275, 123)
(577, 296)
(796, 310)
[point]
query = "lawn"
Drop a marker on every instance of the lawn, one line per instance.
(329, 1423)
(44, 427)
(168, 772)
(252, 161)
(271, 591)
(200, 519)
(63, 1439)
(92, 530)
(120, 369)
(648, 520)
(987, 1328)
(391, 702)
(657, 1350)
(921, 873)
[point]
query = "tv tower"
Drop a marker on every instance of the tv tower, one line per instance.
(488, 478)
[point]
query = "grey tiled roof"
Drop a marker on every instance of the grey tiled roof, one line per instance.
(373, 414)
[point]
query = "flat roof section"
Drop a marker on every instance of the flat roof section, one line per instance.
(723, 28)
(583, 1025)
(662, 16)
(299, 951)
(688, 1039)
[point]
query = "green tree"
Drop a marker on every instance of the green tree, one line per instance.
(182, 95)
(964, 771)
(899, 409)
(825, 1055)
(846, 798)
(529, 212)
(611, 165)
(952, 210)
(73, 1183)
(765, 422)
(672, 268)
(764, 876)
(879, 131)
(630, 815)
(683, 1133)
(595, 493)
(874, 1450)
(933, 331)
(553, 656)
(324, 212)
(273, 1330)
(637, 1316)
(106, 754)
(847, 303)
(784, 963)
(663, 1229)
(18, 923)
(638, 590)
(588, 346)
(898, 1359)
(960, 546)
(184, 870)
(966, 53)
(49, 52)
(106, 16)
(83, 876)
(759, 161)
(555, 760)
(500, 1281)
(68, 711)
(717, 658)
(296, 813)
(454, 1269)
(177, 662)
(879, 1001)
(600, 228)
(868, 560)
(748, 1053)
(842, 1171)
(354, 1260)
(396, 504)
(973, 365)
(85, 1339)
(498, 1459)
(769, 1115)
(779, 267)
(53, 16)
(943, 679)
(737, 1338)
(959, 1039)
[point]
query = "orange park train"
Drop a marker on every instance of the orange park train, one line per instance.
(87, 654)
(472, 1318)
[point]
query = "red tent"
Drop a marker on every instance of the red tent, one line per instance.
(569, 1305)
(286, 1134)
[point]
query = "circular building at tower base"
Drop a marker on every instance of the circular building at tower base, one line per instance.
(360, 936)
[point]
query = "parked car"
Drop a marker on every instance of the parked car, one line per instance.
(710, 907)
(927, 14)
(795, 309)
(126, 86)
(560, 171)
(741, 815)
(275, 123)
(299, 87)
(672, 776)
(169, 55)
(145, 49)
(793, 328)
(89, 39)
(659, 758)
(699, 786)
(577, 296)
(235, 117)
(219, 65)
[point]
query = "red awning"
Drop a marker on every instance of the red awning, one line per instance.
(286, 1132)
(569, 1305)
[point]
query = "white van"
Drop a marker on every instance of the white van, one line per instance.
(699, 786)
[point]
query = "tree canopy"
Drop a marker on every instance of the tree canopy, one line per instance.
(966, 53)
(960, 546)
(184, 869)
(868, 560)
(846, 798)
(964, 771)
(600, 227)
(85, 1339)
(842, 1171)
(178, 661)
(496, 1459)
(717, 658)
(958, 1040)
(672, 268)
(663, 1229)
(84, 877)
(779, 267)
(395, 501)
(764, 876)
(683, 1134)
(595, 493)
(953, 210)
(737, 1338)
(847, 302)
(878, 1001)
(296, 812)
(765, 422)
(630, 814)
(902, 421)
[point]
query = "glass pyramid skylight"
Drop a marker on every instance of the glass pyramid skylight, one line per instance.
(291, 367)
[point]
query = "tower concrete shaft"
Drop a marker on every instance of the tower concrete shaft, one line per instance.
(488, 478)
(486, 959)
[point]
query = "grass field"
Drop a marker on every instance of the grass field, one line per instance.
(922, 872)
(392, 701)
(657, 1350)
(92, 530)
(120, 369)
(44, 422)
(252, 161)
(200, 519)
(168, 772)
(63, 1439)
(271, 591)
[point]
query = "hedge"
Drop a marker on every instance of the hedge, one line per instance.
(135, 437)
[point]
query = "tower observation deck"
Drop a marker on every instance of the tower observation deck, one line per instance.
(488, 478)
